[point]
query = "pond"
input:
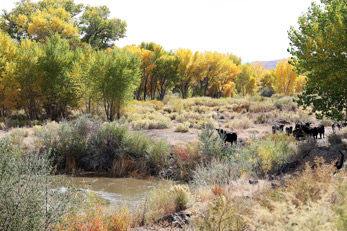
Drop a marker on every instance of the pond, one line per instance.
(117, 191)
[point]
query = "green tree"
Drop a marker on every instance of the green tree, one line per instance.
(116, 75)
(28, 77)
(59, 87)
(245, 81)
(41, 19)
(166, 72)
(319, 49)
(98, 30)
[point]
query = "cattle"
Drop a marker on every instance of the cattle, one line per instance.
(299, 133)
(321, 131)
(339, 163)
(289, 130)
(277, 128)
(230, 137)
(314, 132)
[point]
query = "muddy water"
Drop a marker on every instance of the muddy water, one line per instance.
(117, 191)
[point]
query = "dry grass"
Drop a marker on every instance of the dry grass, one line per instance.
(243, 123)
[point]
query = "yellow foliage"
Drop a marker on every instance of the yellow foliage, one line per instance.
(299, 84)
(48, 22)
(286, 77)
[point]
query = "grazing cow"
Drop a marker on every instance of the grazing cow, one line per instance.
(299, 133)
(339, 163)
(307, 130)
(230, 137)
(277, 128)
(274, 129)
(289, 130)
(321, 131)
(314, 132)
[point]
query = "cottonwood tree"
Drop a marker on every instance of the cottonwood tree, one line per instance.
(319, 51)
(29, 77)
(116, 74)
(59, 88)
(97, 29)
(8, 87)
(286, 77)
(41, 19)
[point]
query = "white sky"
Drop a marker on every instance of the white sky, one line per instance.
(252, 29)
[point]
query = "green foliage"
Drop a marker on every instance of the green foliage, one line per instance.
(181, 195)
(58, 85)
(223, 214)
(98, 30)
(115, 77)
(29, 199)
(217, 171)
(319, 50)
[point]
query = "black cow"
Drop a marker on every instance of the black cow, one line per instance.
(321, 131)
(289, 130)
(277, 128)
(314, 132)
(230, 137)
(299, 133)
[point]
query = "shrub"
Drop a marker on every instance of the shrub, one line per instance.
(316, 197)
(267, 92)
(181, 195)
(218, 171)
(261, 119)
(186, 159)
(159, 153)
(243, 123)
(286, 103)
(334, 139)
(105, 145)
(159, 202)
(271, 153)
(211, 144)
(27, 198)
(223, 214)
(182, 127)
(264, 106)
(67, 140)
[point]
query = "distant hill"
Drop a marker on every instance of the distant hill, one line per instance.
(269, 64)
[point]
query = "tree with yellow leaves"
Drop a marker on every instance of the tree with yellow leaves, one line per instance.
(299, 84)
(8, 87)
(185, 70)
(286, 77)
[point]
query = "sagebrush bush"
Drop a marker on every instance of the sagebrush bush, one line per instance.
(217, 171)
(223, 213)
(243, 123)
(182, 127)
(159, 202)
(271, 153)
(311, 201)
(264, 106)
(28, 196)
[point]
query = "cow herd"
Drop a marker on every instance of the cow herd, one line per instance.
(301, 130)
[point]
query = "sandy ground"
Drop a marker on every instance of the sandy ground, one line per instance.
(176, 138)
(257, 131)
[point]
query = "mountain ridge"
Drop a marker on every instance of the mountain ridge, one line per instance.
(271, 64)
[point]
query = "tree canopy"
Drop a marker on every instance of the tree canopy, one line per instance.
(319, 51)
